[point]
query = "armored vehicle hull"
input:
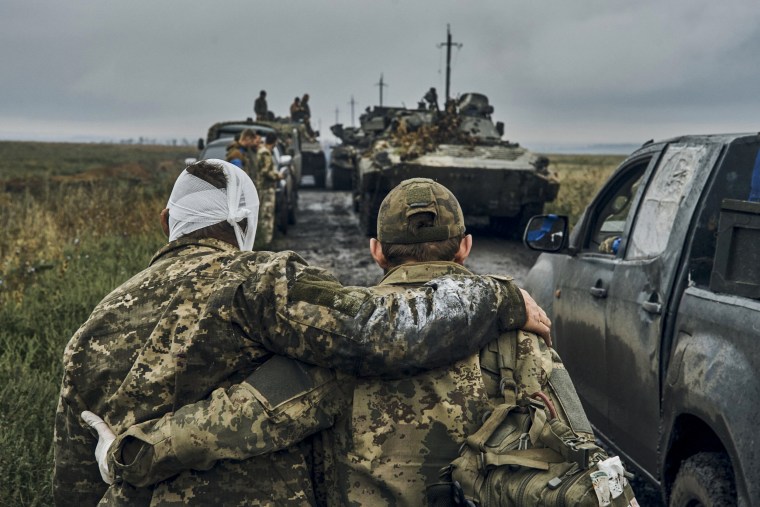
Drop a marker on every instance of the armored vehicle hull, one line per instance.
(494, 180)
(343, 166)
(314, 162)
(506, 191)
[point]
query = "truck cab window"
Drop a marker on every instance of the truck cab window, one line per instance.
(606, 233)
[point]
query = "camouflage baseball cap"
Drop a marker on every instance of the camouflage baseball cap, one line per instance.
(419, 195)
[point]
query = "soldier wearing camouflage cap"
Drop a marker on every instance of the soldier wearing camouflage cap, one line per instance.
(398, 435)
(390, 438)
(206, 314)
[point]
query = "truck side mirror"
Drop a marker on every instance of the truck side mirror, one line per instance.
(200, 144)
(546, 233)
(500, 127)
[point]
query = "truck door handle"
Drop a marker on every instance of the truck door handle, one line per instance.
(652, 307)
(598, 292)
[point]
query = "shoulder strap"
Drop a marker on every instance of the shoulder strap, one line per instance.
(506, 346)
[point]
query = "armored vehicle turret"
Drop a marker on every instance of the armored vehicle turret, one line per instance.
(461, 148)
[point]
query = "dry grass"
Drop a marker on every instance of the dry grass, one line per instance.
(580, 177)
(75, 221)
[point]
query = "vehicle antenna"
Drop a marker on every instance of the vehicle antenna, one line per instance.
(448, 45)
(381, 84)
(352, 102)
(337, 111)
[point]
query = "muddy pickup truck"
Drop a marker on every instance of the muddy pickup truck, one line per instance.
(655, 300)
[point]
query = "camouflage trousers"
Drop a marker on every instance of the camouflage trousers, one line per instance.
(265, 228)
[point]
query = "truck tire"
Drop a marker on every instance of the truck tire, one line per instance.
(705, 479)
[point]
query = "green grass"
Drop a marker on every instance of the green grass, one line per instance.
(33, 333)
(30, 159)
(64, 244)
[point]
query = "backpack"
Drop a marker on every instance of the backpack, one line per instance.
(534, 448)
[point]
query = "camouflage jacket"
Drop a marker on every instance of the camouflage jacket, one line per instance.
(267, 172)
(399, 434)
(390, 438)
(205, 315)
(246, 156)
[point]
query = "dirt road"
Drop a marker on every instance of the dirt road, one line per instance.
(327, 234)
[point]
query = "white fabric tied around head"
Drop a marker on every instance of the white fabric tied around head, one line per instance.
(195, 204)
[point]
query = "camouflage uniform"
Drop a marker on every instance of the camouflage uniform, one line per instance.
(389, 440)
(399, 434)
(246, 156)
(390, 437)
(266, 183)
(205, 315)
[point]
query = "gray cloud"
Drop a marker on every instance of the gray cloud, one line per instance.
(556, 71)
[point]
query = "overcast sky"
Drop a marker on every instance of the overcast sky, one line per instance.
(556, 71)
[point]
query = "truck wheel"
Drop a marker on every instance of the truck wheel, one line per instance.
(705, 479)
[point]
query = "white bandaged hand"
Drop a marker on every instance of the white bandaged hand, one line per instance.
(105, 439)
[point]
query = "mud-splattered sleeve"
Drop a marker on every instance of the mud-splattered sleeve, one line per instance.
(367, 332)
(280, 404)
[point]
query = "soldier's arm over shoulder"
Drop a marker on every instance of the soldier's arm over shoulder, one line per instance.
(280, 404)
(362, 332)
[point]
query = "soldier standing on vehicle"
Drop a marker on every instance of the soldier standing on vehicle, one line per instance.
(306, 115)
(305, 109)
(266, 182)
(407, 429)
(208, 312)
(295, 110)
(242, 152)
(431, 97)
(260, 106)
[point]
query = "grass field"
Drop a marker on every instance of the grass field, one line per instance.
(76, 220)
(580, 177)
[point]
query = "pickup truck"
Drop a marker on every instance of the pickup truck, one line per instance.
(655, 303)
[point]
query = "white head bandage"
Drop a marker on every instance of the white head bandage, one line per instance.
(195, 204)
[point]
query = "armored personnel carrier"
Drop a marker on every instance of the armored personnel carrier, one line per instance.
(373, 123)
(343, 157)
(495, 180)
